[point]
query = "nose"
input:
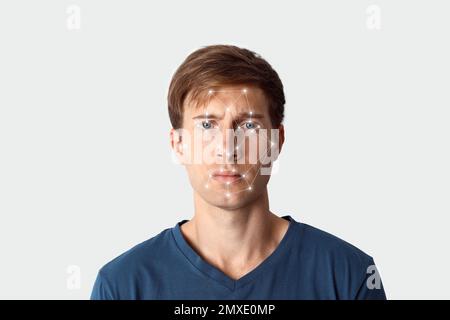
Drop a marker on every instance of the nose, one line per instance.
(227, 150)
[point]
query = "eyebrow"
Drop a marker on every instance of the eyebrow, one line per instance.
(241, 115)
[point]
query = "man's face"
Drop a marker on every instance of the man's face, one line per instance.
(227, 145)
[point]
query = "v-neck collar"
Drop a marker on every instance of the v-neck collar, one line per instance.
(216, 274)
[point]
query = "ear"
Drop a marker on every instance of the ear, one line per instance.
(280, 141)
(176, 143)
(280, 137)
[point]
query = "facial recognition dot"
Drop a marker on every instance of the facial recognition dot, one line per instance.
(243, 176)
(228, 195)
(250, 188)
(244, 90)
(251, 112)
(228, 182)
(221, 169)
(210, 91)
(206, 186)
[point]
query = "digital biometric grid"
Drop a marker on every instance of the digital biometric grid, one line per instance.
(238, 149)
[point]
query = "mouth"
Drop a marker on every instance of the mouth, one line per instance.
(226, 176)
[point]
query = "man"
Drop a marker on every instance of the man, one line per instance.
(226, 106)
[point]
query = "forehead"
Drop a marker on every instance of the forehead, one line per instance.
(239, 99)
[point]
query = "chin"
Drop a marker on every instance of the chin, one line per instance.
(230, 202)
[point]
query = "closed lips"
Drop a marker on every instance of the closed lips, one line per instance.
(226, 176)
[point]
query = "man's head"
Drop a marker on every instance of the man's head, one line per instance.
(226, 106)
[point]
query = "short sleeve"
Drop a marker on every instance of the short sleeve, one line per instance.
(101, 289)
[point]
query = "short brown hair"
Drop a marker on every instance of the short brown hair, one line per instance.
(218, 65)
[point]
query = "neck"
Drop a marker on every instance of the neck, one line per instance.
(234, 239)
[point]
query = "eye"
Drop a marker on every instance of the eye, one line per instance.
(206, 125)
(249, 125)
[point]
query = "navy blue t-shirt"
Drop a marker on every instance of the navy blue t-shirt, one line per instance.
(307, 264)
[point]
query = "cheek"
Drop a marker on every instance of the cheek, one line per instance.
(201, 146)
(252, 146)
(258, 182)
(198, 173)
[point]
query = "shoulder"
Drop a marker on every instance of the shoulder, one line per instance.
(132, 266)
(139, 253)
(342, 270)
(330, 246)
(337, 266)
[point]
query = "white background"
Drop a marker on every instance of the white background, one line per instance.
(85, 163)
